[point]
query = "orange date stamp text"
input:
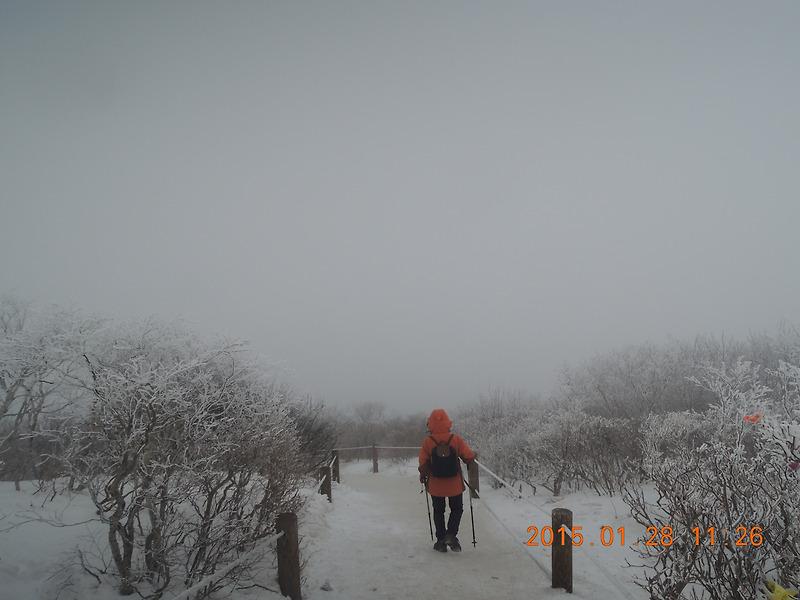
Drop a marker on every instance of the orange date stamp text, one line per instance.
(654, 536)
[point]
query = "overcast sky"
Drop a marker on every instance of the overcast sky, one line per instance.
(407, 202)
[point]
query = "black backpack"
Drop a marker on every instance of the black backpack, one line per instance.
(444, 460)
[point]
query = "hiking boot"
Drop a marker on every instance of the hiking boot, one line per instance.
(440, 545)
(452, 541)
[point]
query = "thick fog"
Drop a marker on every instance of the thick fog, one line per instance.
(407, 202)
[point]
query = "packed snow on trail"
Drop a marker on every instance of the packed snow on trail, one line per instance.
(374, 541)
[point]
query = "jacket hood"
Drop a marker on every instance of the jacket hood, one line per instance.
(439, 422)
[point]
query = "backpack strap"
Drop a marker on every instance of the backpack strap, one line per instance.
(450, 439)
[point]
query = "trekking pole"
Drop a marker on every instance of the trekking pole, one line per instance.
(427, 503)
(471, 512)
(472, 518)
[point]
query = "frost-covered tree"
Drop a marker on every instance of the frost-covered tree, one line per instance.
(364, 424)
(186, 449)
(607, 452)
(410, 430)
(39, 356)
(636, 381)
(573, 449)
(726, 470)
(549, 445)
(317, 427)
(498, 428)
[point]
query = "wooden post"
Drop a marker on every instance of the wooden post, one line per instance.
(288, 556)
(562, 553)
(325, 477)
(474, 481)
(374, 458)
(335, 460)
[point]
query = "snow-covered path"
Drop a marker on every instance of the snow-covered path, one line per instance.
(374, 542)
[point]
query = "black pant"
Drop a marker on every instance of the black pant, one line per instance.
(456, 510)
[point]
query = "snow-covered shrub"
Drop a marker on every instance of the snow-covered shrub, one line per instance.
(316, 427)
(608, 453)
(670, 435)
(786, 429)
(364, 424)
(498, 428)
(575, 449)
(38, 358)
(241, 472)
(185, 449)
(523, 440)
(636, 381)
(724, 471)
(554, 450)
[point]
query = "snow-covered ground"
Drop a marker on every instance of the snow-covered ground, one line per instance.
(372, 542)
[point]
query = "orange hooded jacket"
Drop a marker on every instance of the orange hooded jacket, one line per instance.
(439, 426)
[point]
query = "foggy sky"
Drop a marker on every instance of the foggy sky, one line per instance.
(407, 202)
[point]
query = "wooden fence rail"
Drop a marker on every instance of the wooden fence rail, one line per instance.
(289, 556)
(473, 477)
(562, 549)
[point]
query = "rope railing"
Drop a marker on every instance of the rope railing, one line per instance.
(374, 449)
(510, 488)
(614, 580)
(513, 535)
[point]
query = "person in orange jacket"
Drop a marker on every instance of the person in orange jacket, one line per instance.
(440, 472)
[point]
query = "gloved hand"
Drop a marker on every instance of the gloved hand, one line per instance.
(423, 479)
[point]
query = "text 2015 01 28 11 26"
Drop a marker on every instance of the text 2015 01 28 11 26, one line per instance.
(665, 536)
